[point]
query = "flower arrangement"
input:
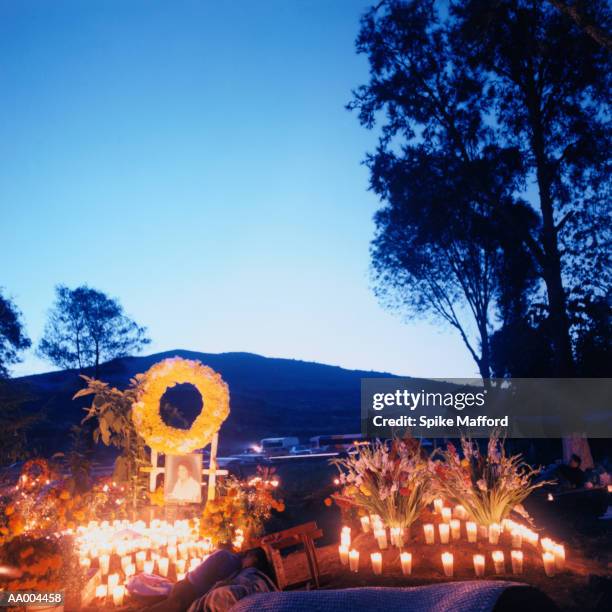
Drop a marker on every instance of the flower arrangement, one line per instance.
(151, 387)
(391, 481)
(489, 486)
(243, 508)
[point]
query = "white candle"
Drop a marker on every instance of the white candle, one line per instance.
(118, 594)
(345, 537)
(460, 512)
(447, 563)
(446, 515)
(376, 559)
(180, 566)
(472, 531)
(549, 563)
(396, 537)
(113, 581)
(365, 524)
(381, 537)
(517, 539)
(438, 505)
(494, 531)
(444, 530)
(428, 530)
(130, 570)
(479, 565)
(498, 561)
(517, 561)
(344, 554)
(406, 561)
(183, 549)
(125, 561)
(141, 557)
(354, 560)
(180, 576)
(559, 552)
(455, 526)
(101, 591)
(148, 567)
(162, 564)
(172, 553)
(85, 563)
(104, 561)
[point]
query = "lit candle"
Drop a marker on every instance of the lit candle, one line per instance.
(113, 581)
(180, 576)
(118, 594)
(396, 537)
(130, 570)
(428, 530)
(101, 591)
(180, 565)
(354, 560)
(498, 561)
(183, 549)
(447, 563)
(479, 565)
(444, 530)
(460, 512)
(494, 531)
(381, 537)
(446, 515)
(406, 561)
(344, 554)
(517, 538)
(549, 563)
(85, 563)
(148, 567)
(455, 526)
(162, 565)
(376, 559)
(559, 552)
(365, 524)
(172, 553)
(438, 505)
(517, 561)
(472, 531)
(141, 557)
(104, 561)
(345, 537)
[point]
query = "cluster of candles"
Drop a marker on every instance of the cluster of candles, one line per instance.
(138, 547)
(448, 529)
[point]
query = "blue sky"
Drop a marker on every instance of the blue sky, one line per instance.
(195, 160)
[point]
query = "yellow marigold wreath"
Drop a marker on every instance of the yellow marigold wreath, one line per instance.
(153, 384)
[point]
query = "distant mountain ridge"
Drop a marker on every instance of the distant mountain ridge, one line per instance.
(268, 396)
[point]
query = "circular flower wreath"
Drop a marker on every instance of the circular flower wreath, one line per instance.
(34, 473)
(165, 374)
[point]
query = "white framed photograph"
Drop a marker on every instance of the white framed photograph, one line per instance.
(183, 478)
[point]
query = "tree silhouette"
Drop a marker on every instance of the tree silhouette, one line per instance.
(13, 338)
(474, 105)
(86, 327)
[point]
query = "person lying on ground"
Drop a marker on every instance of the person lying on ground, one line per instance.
(219, 581)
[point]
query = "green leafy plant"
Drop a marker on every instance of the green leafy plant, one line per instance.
(113, 410)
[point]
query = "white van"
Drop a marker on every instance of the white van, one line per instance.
(278, 445)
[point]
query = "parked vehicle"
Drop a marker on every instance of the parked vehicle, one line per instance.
(273, 446)
(301, 449)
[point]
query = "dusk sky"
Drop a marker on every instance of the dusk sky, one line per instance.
(195, 160)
